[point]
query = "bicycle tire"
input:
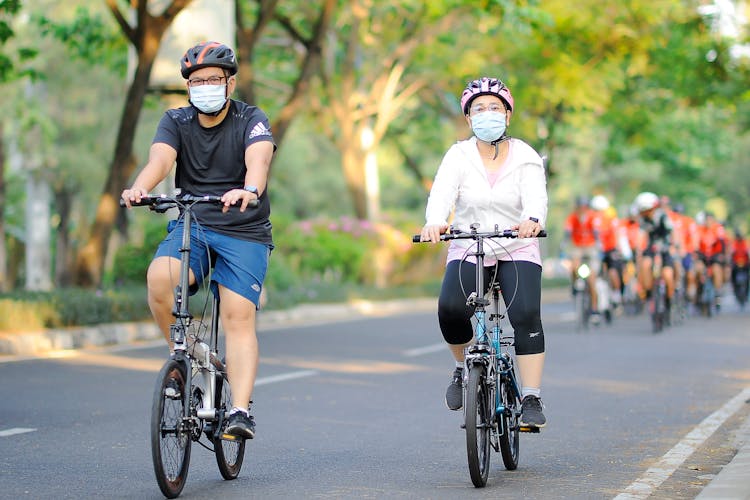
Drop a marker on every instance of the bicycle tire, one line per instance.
(229, 453)
(583, 308)
(170, 438)
(509, 439)
(478, 412)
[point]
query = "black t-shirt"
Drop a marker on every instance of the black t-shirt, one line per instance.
(659, 230)
(211, 161)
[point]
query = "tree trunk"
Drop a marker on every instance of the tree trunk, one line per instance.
(146, 37)
(3, 248)
(353, 163)
(248, 38)
(63, 257)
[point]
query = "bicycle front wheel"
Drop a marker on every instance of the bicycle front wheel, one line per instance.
(478, 411)
(170, 437)
(583, 308)
(509, 442)
(229, 452)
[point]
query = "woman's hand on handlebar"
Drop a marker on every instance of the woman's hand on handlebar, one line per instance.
(134, 194)
(527, 228)
(432, 232)
(232, 196)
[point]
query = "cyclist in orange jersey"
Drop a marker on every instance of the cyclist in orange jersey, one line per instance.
(688, 246)
(580, 235)
(614, 245)
(711, 250)
(740, 258)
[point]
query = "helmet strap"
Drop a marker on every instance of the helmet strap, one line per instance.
(497, 142)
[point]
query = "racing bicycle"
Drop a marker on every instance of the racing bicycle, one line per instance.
(192, 396)
(492, 396)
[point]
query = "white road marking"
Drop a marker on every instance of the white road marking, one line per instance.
(284, 377)
(419, 351)
(14, 431)
(654, 476)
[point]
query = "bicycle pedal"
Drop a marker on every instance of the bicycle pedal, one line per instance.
(533, 430)
(230, 437)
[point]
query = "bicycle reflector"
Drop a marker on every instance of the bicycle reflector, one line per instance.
(584, 271)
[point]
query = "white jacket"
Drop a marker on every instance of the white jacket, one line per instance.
(461, 183)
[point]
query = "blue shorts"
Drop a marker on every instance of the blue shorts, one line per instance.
(239, 265)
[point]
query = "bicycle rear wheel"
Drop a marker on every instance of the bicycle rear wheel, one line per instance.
(478, 411)
(509, 439)
(170, 437)
(230, 453)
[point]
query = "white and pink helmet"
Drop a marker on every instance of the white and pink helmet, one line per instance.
(486, 86)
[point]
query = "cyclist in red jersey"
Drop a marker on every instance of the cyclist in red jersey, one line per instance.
(580, 233)
(740, 258)
(614, 245)
(711, 251)
(688, 247)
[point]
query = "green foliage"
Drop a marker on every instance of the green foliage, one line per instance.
(89, 37)
(25, 311)
(133, 258)
(332, 249)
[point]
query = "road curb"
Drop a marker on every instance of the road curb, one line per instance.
(42, 342)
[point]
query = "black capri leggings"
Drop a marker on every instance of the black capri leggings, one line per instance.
(524, 312)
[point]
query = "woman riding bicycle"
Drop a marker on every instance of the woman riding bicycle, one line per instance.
(492, 179)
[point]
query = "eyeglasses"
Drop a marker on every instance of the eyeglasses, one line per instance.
(481, 108)
(211, 80)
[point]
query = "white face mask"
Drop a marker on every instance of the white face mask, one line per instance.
(208, 98)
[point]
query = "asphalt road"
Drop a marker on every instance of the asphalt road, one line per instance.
(354, 409)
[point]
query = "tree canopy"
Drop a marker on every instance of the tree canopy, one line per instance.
(621, 97)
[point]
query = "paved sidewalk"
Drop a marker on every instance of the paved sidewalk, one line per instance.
(733, 481)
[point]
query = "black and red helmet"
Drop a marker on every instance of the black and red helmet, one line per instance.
(208, 54)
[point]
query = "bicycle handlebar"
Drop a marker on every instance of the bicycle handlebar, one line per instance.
(457, 234)
(164, 201)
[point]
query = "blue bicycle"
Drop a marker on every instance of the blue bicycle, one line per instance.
(492, 397)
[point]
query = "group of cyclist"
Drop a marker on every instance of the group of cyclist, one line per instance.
(654, 240)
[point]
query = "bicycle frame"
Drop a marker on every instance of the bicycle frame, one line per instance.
(488, 344)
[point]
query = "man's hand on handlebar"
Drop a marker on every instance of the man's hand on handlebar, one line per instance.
(232, 196)
(134, 194)
(432, 232)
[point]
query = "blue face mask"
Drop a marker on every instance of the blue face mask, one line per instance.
(488, 126)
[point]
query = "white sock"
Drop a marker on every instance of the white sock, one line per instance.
(530, 391)
(236, 409)
(459, 364)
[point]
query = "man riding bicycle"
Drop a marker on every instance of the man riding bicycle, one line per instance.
(711, 252)
(221, 147)
(658, 229)
(579, 234)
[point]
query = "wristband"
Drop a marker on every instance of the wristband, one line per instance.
(252, 189)
(534, 219)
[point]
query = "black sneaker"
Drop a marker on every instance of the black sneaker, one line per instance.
(241, 425)
(454, 396)
(531, 412)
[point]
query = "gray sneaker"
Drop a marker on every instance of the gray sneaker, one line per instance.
(531, 412)
(454, 396)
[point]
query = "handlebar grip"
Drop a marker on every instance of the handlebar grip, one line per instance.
(145, 201)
